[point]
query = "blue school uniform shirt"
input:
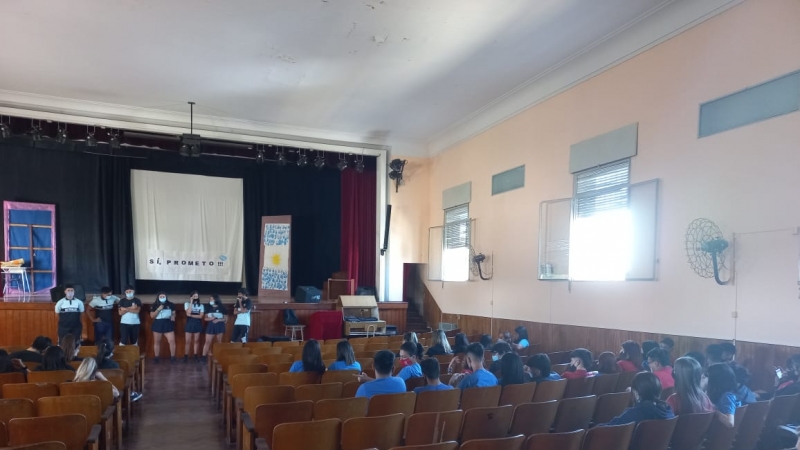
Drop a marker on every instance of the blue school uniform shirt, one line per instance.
(438, 387)
(414, 370)
(388, 385)
(523, 343)
(342, 365)
(727, 403)
(297, 367)
(480, 378)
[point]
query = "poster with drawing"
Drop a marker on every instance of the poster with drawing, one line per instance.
(275, 280)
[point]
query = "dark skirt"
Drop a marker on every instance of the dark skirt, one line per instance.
(163, 326)
(193, 326)
(215, 328)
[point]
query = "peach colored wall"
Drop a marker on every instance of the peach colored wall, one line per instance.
(408, 232)
(746, 180)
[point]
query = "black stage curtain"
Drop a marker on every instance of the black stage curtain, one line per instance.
(94, 228)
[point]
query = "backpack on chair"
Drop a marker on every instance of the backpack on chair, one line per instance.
(289, 318)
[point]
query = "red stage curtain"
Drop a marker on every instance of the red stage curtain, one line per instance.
(358, 226)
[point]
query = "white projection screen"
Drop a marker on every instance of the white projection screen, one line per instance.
(187, 227)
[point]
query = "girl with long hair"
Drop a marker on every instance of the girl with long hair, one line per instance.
(607, 364)
(521, 340)
(195, 311)
(722, 392)
(630, 357)
(439, 345)
(53, 359)
(409, 361)
(163, 314)
(689, 397)
(88, 371)
(70, 346)
(345, 358)
(311, 360)
(216, 316)
(511, 370)
(461, 343)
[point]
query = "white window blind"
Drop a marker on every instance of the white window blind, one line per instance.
(602, 189)
(455, 251)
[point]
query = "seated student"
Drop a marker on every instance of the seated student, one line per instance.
(787, 381)
(630, 357)
(538, 369)
(743, 377)
(647, 401)
(504, 336)
(658, 363)
(53, 359)
(722, 392)
(713, 354)
(105, 349)
(667, 344)
(409, 361)
(498, 350)
(580, 361)
(345, 358)
(511, 370)
(646, 347)
(6, 363)
(430, 370)
(410, 336)
(607, 364)
(728, 352)
(522, 339)
(35, 351)
(486, 341)
(479, 377)
(689, 397)
(699, 357)
(439, 345)
(384, 382)
(311, 360)
(461, 344)
(70, 347)
(88, 371)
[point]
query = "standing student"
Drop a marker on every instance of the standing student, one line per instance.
(103, 307)
(430, 370)
(242, 312)
(480, 377)
(216, 318)
(658, 363)
(384, 382)
(409, 361)
(345, 358)
(630, 357)
(195, 312)
(647, 402)
(722, 392)
(689, 397)
(311, 360)
(129, 308)
(70, 311)
(580, 361)
(163, 314)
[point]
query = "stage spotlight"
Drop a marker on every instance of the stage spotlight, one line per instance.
(36, 131)
(281, 158)
(184, 149)
(91, 141)
(195, 150)
(342, 164)
(114, 141)
(259, 155)
(62, 137)
(302, 160)
(319, 163)
(360, 165)
(5, 129)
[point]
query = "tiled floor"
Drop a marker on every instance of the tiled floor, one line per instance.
(176, 411)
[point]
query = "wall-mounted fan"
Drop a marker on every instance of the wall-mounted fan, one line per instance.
(705, 248)
(475, 261)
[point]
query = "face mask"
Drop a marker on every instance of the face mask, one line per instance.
(212, 303)
(129, 295)
(495, 357)
(162, 300)
(70, 294)
(406, 362)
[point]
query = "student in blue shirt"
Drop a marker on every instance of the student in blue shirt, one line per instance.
(743, 377)
(522, 338)
(311, 359)
(722, 392)
(345, 358)
(408, 362)
(538, 369)
(430, 369)
(648, 405)
(384, 382)
(479, 377)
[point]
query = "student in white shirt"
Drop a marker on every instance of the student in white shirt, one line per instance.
(242, 312)
(103, 307)
(163, 314)
(195, 312)
(129, 308)
(70, 311)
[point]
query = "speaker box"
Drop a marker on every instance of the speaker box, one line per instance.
(307, 294)
(56, 294)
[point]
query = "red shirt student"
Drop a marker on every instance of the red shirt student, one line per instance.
(658, 361)
(630, 357)
(580, 359)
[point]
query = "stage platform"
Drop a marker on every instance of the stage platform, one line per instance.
(22, 318)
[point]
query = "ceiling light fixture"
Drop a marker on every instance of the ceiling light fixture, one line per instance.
(302, 159)
(319, 163)
(190, 143)
(396, 173)
(62, 137)
(360, 164)
(342, 164)
(114, 142)
(281, 157)
(91, 140)
(259, 154)
(5, 128)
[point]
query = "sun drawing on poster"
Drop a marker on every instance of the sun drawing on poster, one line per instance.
(276, 259)
(275, 272)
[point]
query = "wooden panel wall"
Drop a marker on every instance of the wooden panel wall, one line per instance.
(20, 323)
(760, 358)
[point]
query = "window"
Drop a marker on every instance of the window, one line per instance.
(455, 244)
(601, 229)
